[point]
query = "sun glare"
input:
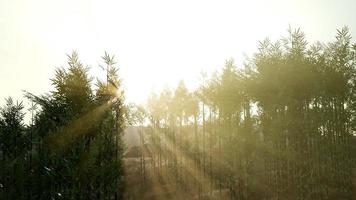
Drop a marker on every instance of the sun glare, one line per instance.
(202, 99)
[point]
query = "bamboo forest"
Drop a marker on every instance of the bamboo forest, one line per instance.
(281, 126)
(177, 100)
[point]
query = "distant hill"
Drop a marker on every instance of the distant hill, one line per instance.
(132, 141)
(131, 136)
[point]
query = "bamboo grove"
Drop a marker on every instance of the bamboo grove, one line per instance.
(72, 147)
(280, 127)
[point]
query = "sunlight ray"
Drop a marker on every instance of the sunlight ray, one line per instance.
(77, 128)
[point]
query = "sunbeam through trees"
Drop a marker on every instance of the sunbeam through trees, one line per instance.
(281, 126)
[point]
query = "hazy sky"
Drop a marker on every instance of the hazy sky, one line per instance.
(156, 42)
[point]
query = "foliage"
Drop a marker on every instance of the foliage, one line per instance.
(75, 140)
(279, 128)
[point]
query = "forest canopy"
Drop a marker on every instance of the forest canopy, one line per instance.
(72, 148)
(282, 126)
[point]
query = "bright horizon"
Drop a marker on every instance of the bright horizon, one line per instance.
(155, 43)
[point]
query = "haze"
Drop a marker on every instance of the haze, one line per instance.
(156, 43)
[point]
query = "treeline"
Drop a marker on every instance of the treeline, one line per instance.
(280, 127)
(72, 147)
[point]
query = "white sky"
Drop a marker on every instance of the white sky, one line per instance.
(156, 42)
